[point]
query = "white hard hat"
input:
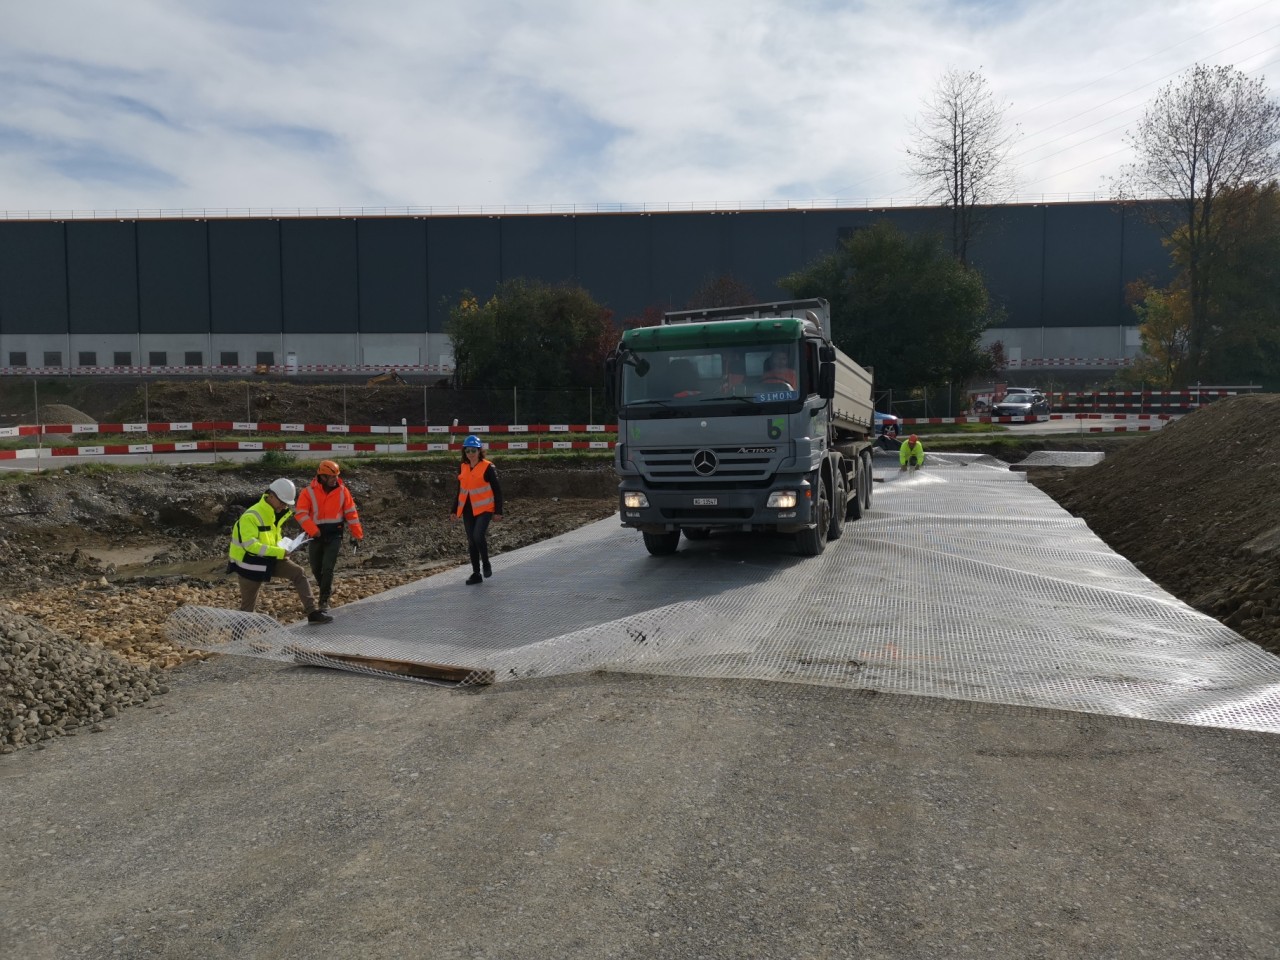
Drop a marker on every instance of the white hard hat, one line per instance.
(284, 490)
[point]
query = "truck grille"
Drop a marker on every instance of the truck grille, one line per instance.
(704, 464)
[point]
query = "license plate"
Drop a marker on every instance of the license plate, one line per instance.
(705, 501)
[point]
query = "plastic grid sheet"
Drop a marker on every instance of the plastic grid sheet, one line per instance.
(963, 581)
(1061, 458)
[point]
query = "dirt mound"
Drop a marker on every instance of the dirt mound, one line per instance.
(1194, 507)
(62, 413)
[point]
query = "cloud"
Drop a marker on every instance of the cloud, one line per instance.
(150, 104)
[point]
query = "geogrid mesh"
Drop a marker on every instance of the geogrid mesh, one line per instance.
(1061, 458)
(963, 581)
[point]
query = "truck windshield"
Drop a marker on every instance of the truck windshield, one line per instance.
(764, 373)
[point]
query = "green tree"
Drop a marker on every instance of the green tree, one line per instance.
(1164, 324)
(904, 306)
(531, 335)
(1207, 138)
(1243, 338)
(1240, 334)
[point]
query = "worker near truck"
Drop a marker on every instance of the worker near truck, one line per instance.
(325, 510)
(911, 453)
(479, 501)
(259, 551)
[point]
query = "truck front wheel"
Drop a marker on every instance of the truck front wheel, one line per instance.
(812, 542)
(662, 544)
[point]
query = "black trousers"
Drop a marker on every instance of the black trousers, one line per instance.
(323, 556)
(477, 528)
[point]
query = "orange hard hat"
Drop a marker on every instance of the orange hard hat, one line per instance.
(913, 439)
(328, 468)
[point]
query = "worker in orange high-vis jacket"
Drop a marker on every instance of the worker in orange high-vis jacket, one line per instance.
(325, 510)
(479, 501)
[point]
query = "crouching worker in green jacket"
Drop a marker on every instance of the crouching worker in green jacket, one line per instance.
(911, 453)
(258, 552)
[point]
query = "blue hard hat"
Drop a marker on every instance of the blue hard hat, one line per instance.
(472, 441)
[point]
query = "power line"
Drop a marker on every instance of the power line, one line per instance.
(1144, 59)
(1113, 153)
(1143, 87)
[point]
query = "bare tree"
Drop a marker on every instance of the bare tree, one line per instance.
(960, 152)
(1206, 137)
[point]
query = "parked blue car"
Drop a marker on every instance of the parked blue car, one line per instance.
(888, 429)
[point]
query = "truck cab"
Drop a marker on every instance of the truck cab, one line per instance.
(725, 423)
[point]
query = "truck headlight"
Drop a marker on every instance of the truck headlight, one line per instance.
(782, 499)
(634, 499)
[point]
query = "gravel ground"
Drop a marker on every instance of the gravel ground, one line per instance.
(265, 811)
(99, 559)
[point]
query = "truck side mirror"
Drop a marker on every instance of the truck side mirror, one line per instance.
(827, 353)
(827, 380)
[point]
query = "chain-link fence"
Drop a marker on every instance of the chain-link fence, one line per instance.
(46, 400)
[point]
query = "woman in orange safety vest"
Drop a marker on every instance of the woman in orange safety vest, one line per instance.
(479, 501)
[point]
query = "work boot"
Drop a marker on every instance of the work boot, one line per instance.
(319, 616)
(324, 601)
(488, 571)
(474, 579)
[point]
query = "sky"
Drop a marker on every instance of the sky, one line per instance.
(506, 106)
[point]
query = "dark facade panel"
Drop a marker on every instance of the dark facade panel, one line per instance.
(541, 249)
(393, 275)
(1009, 253)
(764, 248)
(173, 276)
(689, 250)
(244, 276)
(102, 274)
(318, 268)
(614, 262)
(1082, 285)
(825, 230)
(33, 278)
(463, 253)
(1144, 256)
(1055, 265)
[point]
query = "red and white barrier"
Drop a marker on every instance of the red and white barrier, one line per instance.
(237, 426)
(251, 446)
(1038, 418)
(1039, 362)
(247, 369)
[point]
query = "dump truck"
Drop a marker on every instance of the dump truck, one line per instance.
(744, 419)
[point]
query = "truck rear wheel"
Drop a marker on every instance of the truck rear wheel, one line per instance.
(662, 544)
(853, 511)
(810, 543)
(869, 481)
(839, 507)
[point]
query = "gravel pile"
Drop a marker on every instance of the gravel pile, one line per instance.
(51, 685)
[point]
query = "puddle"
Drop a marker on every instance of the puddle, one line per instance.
(122, 556)
(206, 569)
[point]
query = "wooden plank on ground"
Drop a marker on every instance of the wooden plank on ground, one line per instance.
(407, 668)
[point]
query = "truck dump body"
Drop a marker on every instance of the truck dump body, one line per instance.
(852, 410)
